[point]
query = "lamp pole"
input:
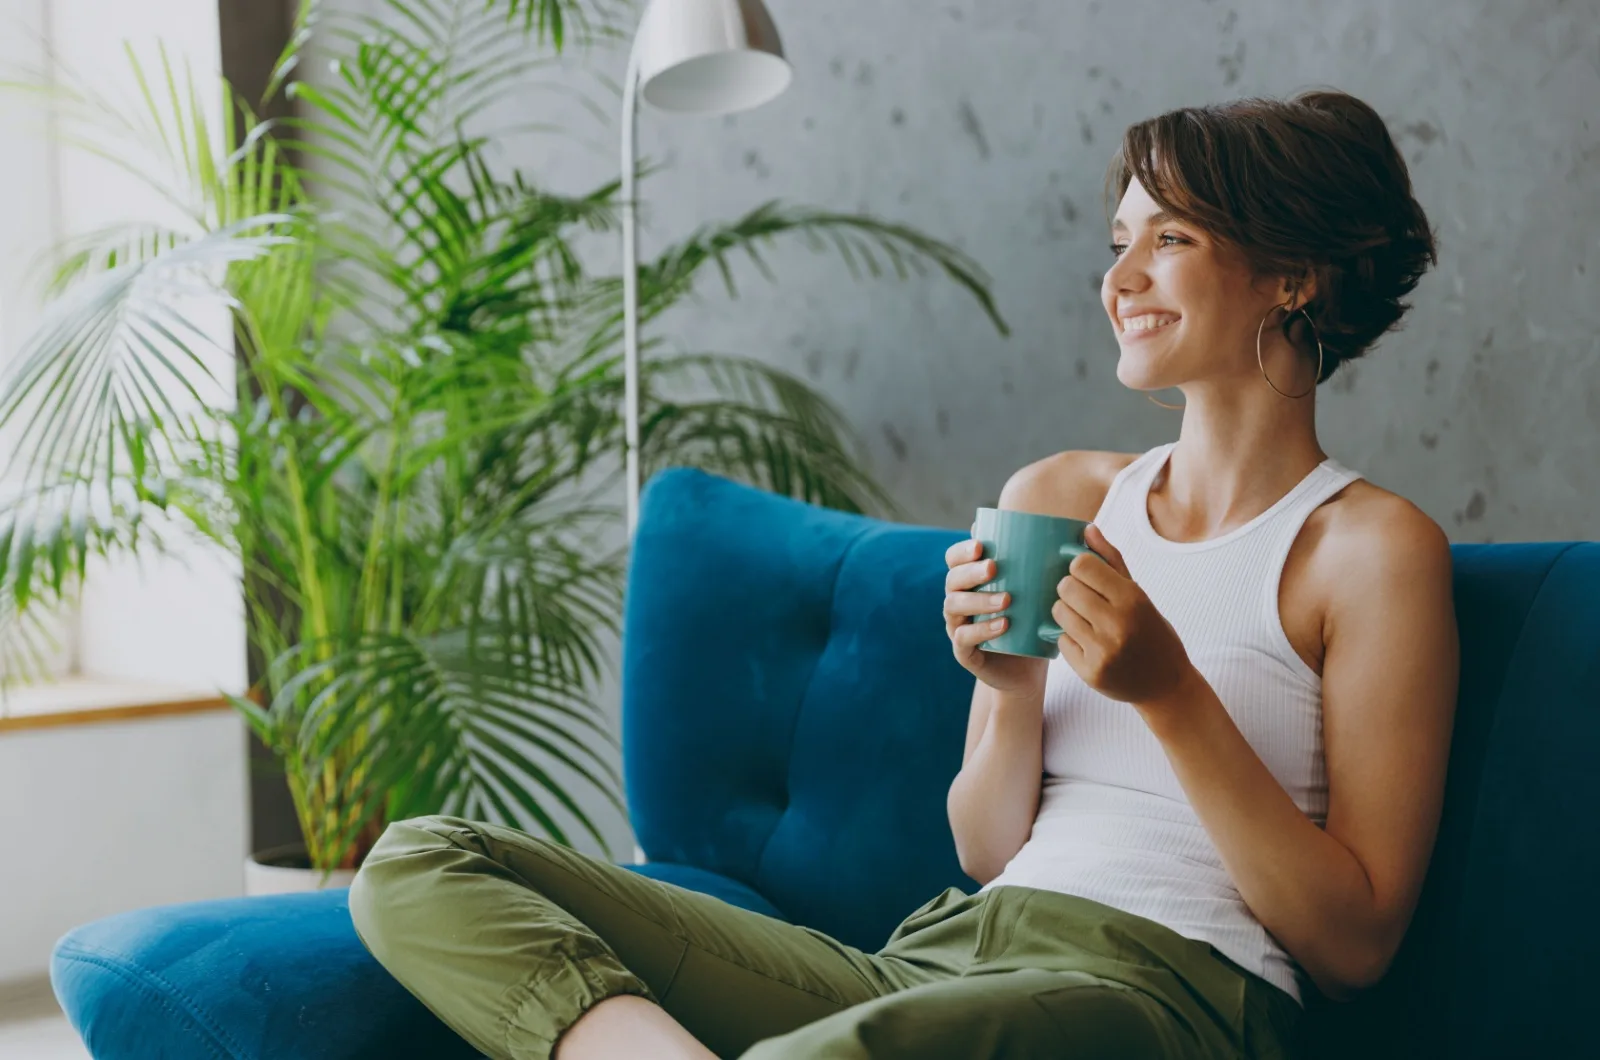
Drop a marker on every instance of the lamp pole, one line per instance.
(630, 284)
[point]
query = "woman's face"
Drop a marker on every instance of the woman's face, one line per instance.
(1184, 307)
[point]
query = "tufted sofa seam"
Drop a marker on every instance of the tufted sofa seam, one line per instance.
(788, 778)
(213, 1038)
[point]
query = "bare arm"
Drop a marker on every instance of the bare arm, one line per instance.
(993, 800)
(1339, 898)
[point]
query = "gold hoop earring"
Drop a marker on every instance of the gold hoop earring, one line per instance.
(1164, 405)
(1314, 334)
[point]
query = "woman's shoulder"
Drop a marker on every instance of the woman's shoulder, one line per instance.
(1366, 527)
(1072, 483)
(1365, 516)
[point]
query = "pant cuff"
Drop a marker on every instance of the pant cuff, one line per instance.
(541, 1010)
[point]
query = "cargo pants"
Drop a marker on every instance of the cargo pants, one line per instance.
(509, 938)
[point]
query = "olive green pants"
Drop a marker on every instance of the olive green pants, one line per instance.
(509, 938)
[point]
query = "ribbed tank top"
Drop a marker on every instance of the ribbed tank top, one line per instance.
(1113, 824)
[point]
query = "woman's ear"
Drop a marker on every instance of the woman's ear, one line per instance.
(1298, 291)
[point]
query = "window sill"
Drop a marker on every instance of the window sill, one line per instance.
(71, 701)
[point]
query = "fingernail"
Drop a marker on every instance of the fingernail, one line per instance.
(997, 623)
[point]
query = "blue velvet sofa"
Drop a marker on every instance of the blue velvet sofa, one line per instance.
(792, 718)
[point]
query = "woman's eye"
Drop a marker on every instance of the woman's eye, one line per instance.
(1117, 249)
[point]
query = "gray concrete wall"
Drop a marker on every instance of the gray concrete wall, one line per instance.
(989, 123)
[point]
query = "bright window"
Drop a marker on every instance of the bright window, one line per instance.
(168, 621)
(30, 213)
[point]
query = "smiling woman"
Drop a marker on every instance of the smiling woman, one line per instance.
(1243, 738)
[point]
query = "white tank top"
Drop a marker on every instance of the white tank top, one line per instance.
(1113, 823)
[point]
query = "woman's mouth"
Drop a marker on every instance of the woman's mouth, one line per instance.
(1146, 325)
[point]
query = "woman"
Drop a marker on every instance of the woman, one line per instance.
(1242, 743)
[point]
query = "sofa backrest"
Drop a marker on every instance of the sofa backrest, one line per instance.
(1500, 959)
(792, 715)
(792, 718)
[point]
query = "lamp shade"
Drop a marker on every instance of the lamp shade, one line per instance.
(709, 56)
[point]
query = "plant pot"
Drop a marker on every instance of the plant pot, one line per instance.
(286, 870)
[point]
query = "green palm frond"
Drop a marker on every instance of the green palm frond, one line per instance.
(761, 425)
(859, 241)
(104, 366)
(161, 137)
(866, 245)
(769, 429)
(556, 20)
(108, 248)
(49, 533)
(464, 720)
(26, 641)
(406, 82)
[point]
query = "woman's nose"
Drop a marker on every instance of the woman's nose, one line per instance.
(1127, 273)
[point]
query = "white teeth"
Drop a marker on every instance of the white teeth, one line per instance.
(1147, 322)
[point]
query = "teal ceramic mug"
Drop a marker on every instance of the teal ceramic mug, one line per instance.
(1031, 554)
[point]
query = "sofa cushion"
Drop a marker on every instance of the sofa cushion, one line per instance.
(272, 978)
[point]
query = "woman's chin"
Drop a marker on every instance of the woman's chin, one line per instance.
(1134, 376)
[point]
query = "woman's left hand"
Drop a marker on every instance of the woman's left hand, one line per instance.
(1115, 639)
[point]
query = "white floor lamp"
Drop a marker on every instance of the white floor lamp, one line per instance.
(689, 57)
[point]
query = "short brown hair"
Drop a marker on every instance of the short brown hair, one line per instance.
(1311, 186)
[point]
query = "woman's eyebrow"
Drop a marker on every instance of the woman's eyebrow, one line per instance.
(1154, 219)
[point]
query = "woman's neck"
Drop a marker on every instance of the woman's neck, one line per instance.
(1232, 462)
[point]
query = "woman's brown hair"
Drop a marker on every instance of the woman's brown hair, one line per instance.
(1309, 187)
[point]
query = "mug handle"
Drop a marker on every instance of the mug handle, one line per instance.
(1050, 631)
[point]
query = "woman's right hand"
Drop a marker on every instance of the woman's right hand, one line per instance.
(1003, 673)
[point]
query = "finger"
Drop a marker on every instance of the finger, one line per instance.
(1096, 574)
(1080, 629)
(1072, 653)
(962, 551)
(1075, 582)
(975, 603)
(969, 575)
(1078, 598)
(952, 621)
(971, 634)
(1096, 539)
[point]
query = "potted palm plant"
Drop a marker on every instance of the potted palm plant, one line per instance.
(421, 450)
